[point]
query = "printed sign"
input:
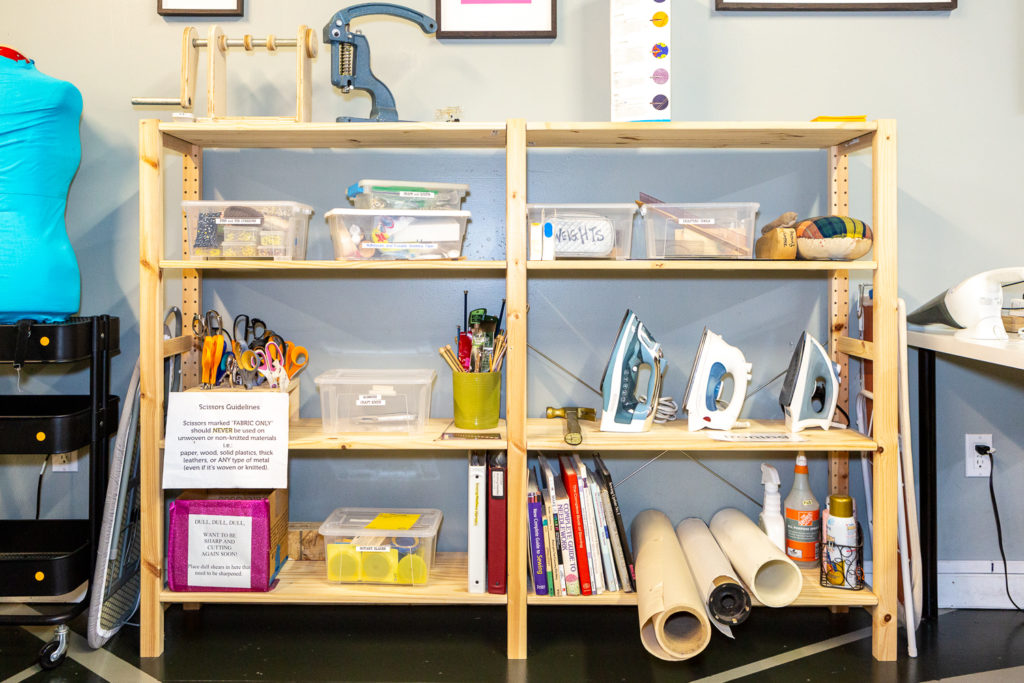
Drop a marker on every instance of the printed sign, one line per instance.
(219, 551)
(229, 439)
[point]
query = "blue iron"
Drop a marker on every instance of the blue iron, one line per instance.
(624, 409)
(715, 364)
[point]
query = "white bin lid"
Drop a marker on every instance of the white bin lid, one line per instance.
(360, 376)
(418, 522)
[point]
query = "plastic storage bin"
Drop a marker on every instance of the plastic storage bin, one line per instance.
(239, 230)
(391, 234)
(375, 400)
(719, 231)
(380, 545)
(406, 194)
(603, 231)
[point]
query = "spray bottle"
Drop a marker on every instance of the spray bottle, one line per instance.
(770, 520)
(803, 519)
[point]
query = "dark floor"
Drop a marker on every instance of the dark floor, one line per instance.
(291, 643)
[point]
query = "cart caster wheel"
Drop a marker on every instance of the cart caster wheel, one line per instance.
(54, 652)
(51, 655)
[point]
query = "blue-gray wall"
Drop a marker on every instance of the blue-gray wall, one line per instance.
(952, 80)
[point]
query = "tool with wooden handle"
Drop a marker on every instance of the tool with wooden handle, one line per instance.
(573, 433)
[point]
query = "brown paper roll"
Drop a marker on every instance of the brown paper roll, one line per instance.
(772, 577)
(673, 622)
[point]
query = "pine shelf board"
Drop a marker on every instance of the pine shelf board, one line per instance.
(308, 434)
(238, 134)
(698, 134)
(408, 265)
(545, 434)
(305, 583)
(812, 595)
(646, 266)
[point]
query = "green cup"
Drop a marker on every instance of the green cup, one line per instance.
(477, 399)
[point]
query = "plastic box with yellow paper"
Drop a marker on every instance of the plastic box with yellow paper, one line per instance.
(380, 545)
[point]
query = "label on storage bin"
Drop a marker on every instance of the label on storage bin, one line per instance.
(370, 400)
(398, 245)
(417, 194)
(373, 548)
(696, 221)
(240, 221)
(219, 551)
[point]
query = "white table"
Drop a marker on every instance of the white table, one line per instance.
(1009, 354)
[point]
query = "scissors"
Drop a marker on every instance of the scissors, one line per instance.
(246, 332)
(271, 365)
(211, 329)
(295, 359)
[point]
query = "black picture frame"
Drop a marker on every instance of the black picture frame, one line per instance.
(547, 27)
(197, 8)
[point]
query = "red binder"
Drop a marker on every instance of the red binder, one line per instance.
(497, 528)
(572, 489)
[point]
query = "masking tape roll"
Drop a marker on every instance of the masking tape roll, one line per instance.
(726, 599)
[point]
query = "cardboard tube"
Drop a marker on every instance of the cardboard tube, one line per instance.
(725, 598)
(673, 623)
(773, 578)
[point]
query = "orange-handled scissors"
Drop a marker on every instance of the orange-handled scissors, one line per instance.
(295, 359)
(213, 350)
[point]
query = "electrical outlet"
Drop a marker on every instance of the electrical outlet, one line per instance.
(978, 465)
(65, 462)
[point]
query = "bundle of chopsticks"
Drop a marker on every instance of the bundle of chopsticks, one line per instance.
(497, 357)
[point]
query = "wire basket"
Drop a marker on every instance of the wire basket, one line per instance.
(842, 566)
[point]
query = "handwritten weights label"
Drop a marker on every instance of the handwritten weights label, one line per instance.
(219, 551)
(226, 440)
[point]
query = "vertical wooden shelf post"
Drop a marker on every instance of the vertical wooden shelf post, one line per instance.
(884, 569)
(151, 299)
(515, 390)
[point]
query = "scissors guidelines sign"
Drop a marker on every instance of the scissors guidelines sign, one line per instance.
(226, 439)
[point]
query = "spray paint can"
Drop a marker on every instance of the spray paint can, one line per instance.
(803, 519)
(840, 557)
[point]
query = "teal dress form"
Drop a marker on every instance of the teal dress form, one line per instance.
(39, 154)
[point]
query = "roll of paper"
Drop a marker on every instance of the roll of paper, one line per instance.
(724, 596)
(673, 622)
(773, 578)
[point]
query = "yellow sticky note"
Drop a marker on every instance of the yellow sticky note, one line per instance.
(840, 119)
(392, 520)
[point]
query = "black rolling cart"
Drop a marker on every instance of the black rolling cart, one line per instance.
(53, 557)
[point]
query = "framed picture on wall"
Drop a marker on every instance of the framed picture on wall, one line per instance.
(495, 18)
(211, 8)
(850, 5)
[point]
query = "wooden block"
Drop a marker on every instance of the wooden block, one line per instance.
(305, 541)
(191, 606)
(778, 244)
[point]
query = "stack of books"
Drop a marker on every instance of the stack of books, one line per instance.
(578, 543)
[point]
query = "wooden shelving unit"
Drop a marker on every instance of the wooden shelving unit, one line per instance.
(305, 582)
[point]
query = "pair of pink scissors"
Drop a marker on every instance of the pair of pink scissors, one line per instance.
(270, 364)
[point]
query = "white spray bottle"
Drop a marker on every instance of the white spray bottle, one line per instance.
(770, 520)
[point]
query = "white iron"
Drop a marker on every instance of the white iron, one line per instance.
(716, 362)
(624, 409)
(810, 391)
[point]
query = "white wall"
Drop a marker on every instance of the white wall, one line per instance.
(952, 80)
